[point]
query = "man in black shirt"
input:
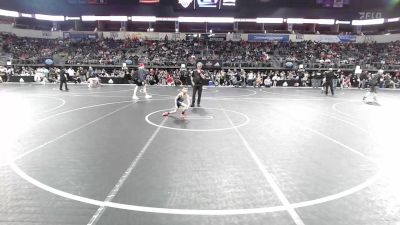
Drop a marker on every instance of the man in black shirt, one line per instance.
(329, 76)
(197, 82)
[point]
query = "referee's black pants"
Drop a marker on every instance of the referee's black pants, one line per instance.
(197, 88)
(329, 85)
(63, 82)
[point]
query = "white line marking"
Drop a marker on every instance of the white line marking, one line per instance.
(100, 92)
(285, 202)
(78, 109)
(68, 133)
(224, 212)
(239, 96)
(63, 102)
(275, 99)
(47, 188)
(344, 120)
(344, 114)
(147, 118)
(199, 117)
(341, 144)
(115, 96)
(124, 176)
(102, 96)
(320, 134)
(290, 95)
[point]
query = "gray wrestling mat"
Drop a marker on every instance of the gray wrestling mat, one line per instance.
(283, 156)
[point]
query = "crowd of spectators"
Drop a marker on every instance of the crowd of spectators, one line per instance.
(231, 54)
(235, 78)
(285, 57)
(339, 55)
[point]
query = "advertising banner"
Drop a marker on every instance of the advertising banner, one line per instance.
(80, 35)
(268, 37)
(211, 64)
(348, 38)
(335, 38)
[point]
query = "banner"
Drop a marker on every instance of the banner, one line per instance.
(80, 35)
(208, 3)
(169, 36)
(299, 36)
(335, 38)
(211, 64)
(234, 37)
(46, 33)
(216, 37)
(348, 38)
(268, 37)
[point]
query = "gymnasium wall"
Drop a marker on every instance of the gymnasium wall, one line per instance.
(7, 28)
(181, 36)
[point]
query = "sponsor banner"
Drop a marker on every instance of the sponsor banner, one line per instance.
(268, 37)
(211, 64)
(144, 35)
(326, 38)
(169, 36)
(335, 38)
(114, 35)
(348, 38)
(48, 62)
(80, 35)
(208, 3)
(46, 33)
(235, 37)
(206, 37)
(141, 35)
(217, 37)
(299, 36)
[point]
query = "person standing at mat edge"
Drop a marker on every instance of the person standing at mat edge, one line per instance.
(329, 77)
(140, 80)
(198, 78)
(63, 79)
(373, 83)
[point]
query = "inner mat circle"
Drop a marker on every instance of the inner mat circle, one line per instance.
(199, 119)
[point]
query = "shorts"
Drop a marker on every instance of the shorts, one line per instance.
(179, 104)
(138, 82)
(372, 88)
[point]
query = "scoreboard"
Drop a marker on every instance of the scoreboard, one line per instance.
(333, 3)
(198, 4)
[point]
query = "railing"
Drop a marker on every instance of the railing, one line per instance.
(314, 66)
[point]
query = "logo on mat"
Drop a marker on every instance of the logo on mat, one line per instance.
(185, 3)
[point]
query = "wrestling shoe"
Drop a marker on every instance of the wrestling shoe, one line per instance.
(183, 115)
(165, 114)
(135, 97)
(148, 96)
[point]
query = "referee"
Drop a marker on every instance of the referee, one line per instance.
(198, 78)
(329, 78)
(63, 79)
